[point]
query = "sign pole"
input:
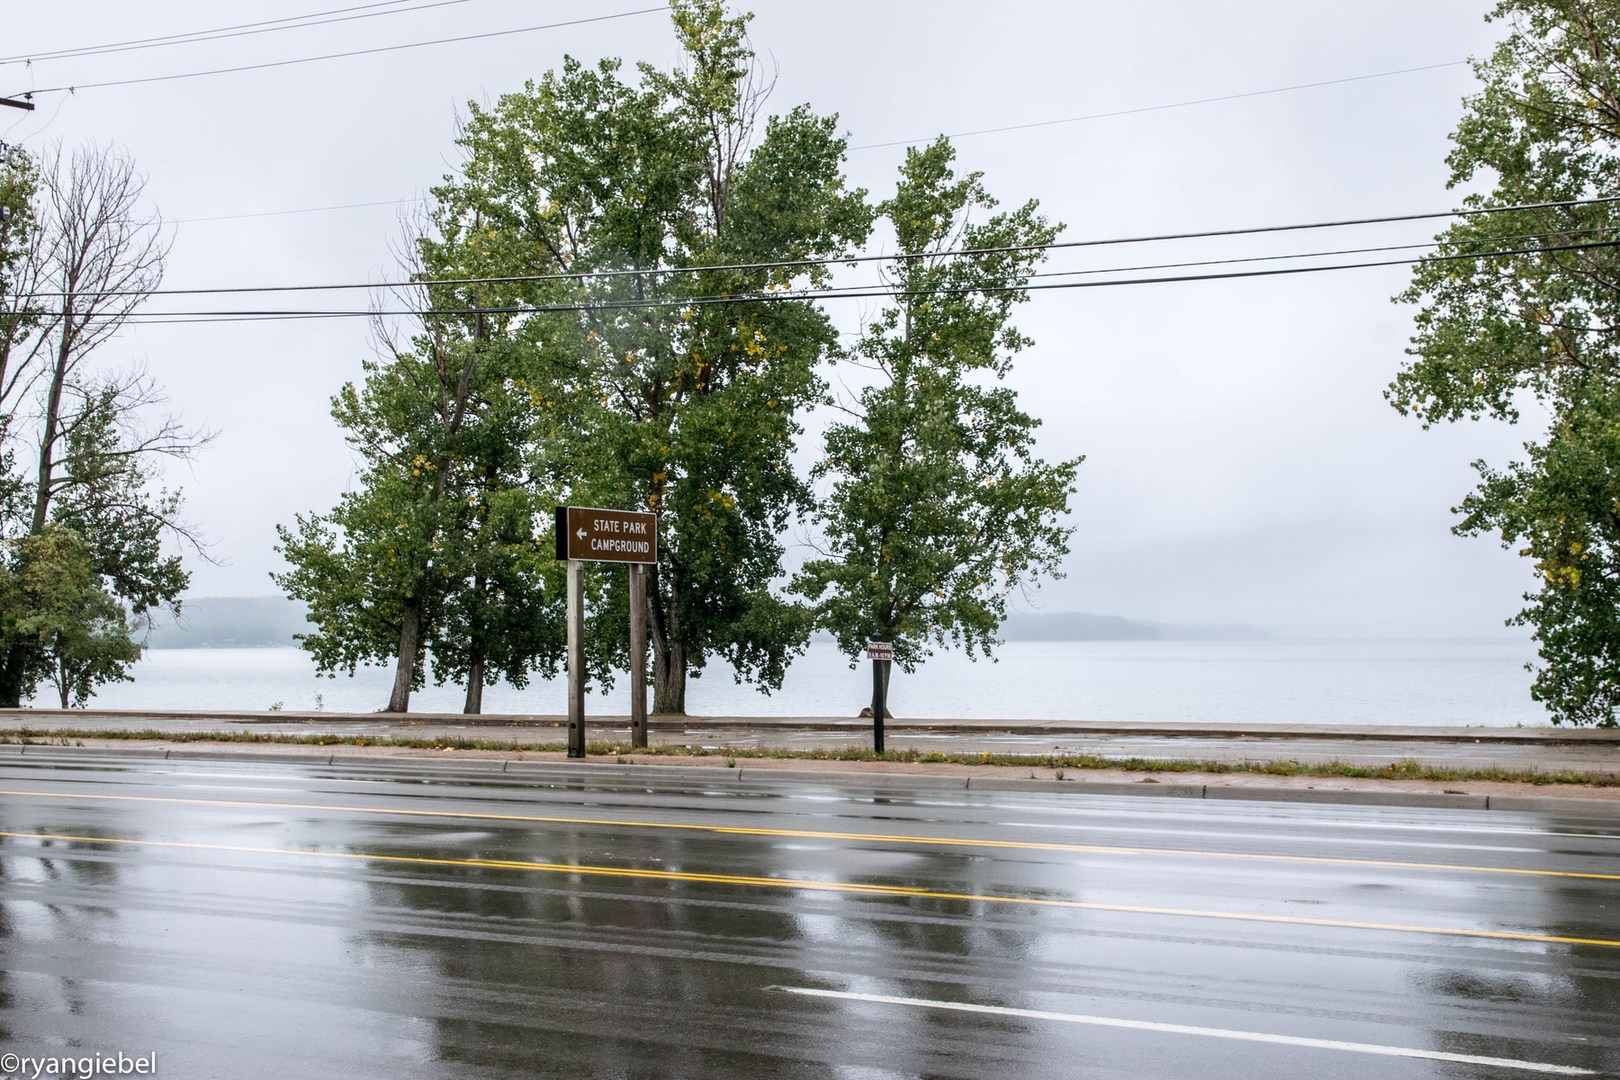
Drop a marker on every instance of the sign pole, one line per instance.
(877, 705)
(638, 656)
(880, 653)
(593, 534)
(576, 658)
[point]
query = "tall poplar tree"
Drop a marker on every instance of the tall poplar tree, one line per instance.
(433, 553)
(660, 219)
(939, 505)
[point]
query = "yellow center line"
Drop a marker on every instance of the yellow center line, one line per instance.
(804, 884)
(812, 834)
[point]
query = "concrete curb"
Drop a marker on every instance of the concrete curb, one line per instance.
(873, 780)
(518, 724)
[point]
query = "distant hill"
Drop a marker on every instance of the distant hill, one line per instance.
(1078, 626)
(244, 622)
(231, 622)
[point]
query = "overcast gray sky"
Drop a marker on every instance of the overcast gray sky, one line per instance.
(1242, 465)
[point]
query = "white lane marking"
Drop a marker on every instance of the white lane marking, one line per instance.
(1183, 1029)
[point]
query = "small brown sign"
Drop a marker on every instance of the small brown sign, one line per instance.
(880, 650)
(587, 534)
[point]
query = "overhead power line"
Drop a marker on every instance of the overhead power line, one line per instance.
(265, 26)
(912, 142)
(879, 292)
(851, 260)
(1294, 256)
(284, 213)
(343, 55)
(1168, 105)
(864, 146)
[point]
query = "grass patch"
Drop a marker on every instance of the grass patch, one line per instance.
(1404, 769)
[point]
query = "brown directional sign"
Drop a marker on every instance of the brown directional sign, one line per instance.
(587, 534)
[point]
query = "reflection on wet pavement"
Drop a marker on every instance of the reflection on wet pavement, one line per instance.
(259, 919)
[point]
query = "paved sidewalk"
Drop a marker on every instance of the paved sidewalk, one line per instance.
(1586, 750)
(1574, 802)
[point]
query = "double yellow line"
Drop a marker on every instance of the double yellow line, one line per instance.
(819, 834)
(808, 884)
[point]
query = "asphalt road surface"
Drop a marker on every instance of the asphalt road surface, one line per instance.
(266, 919)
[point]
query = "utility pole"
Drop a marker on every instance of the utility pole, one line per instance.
(16, 104)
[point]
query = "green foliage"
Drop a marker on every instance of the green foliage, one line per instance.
(939, 506)
(97, 569)
(346, 567)
(19, 311)
(660, 387)
(106, 498)
(1493, 333)
(1545, 128)
(434, 553)
(54, 608)
(1563, 506)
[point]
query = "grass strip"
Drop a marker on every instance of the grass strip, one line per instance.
(1403, 769)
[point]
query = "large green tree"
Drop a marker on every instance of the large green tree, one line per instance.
(79, 252)
(939, 505)
(656, 217)
(433, 553)
(1539, 324)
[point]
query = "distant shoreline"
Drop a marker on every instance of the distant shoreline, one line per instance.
(258, 622)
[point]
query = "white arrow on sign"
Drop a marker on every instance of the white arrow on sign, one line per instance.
(580, 534)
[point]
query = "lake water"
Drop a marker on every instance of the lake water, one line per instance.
(1427, 682)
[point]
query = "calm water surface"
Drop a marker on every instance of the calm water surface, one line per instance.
(1430, 681)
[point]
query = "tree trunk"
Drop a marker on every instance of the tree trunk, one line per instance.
(49, 428)
(475, 679)
(410, 625)
(669, 651)
(477, 644)
(669, 679)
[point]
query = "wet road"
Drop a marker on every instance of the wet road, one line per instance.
(276, 920)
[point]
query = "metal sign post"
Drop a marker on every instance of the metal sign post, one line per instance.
(638, 655)
(576, 659)
(881, 653)
(587, 534)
